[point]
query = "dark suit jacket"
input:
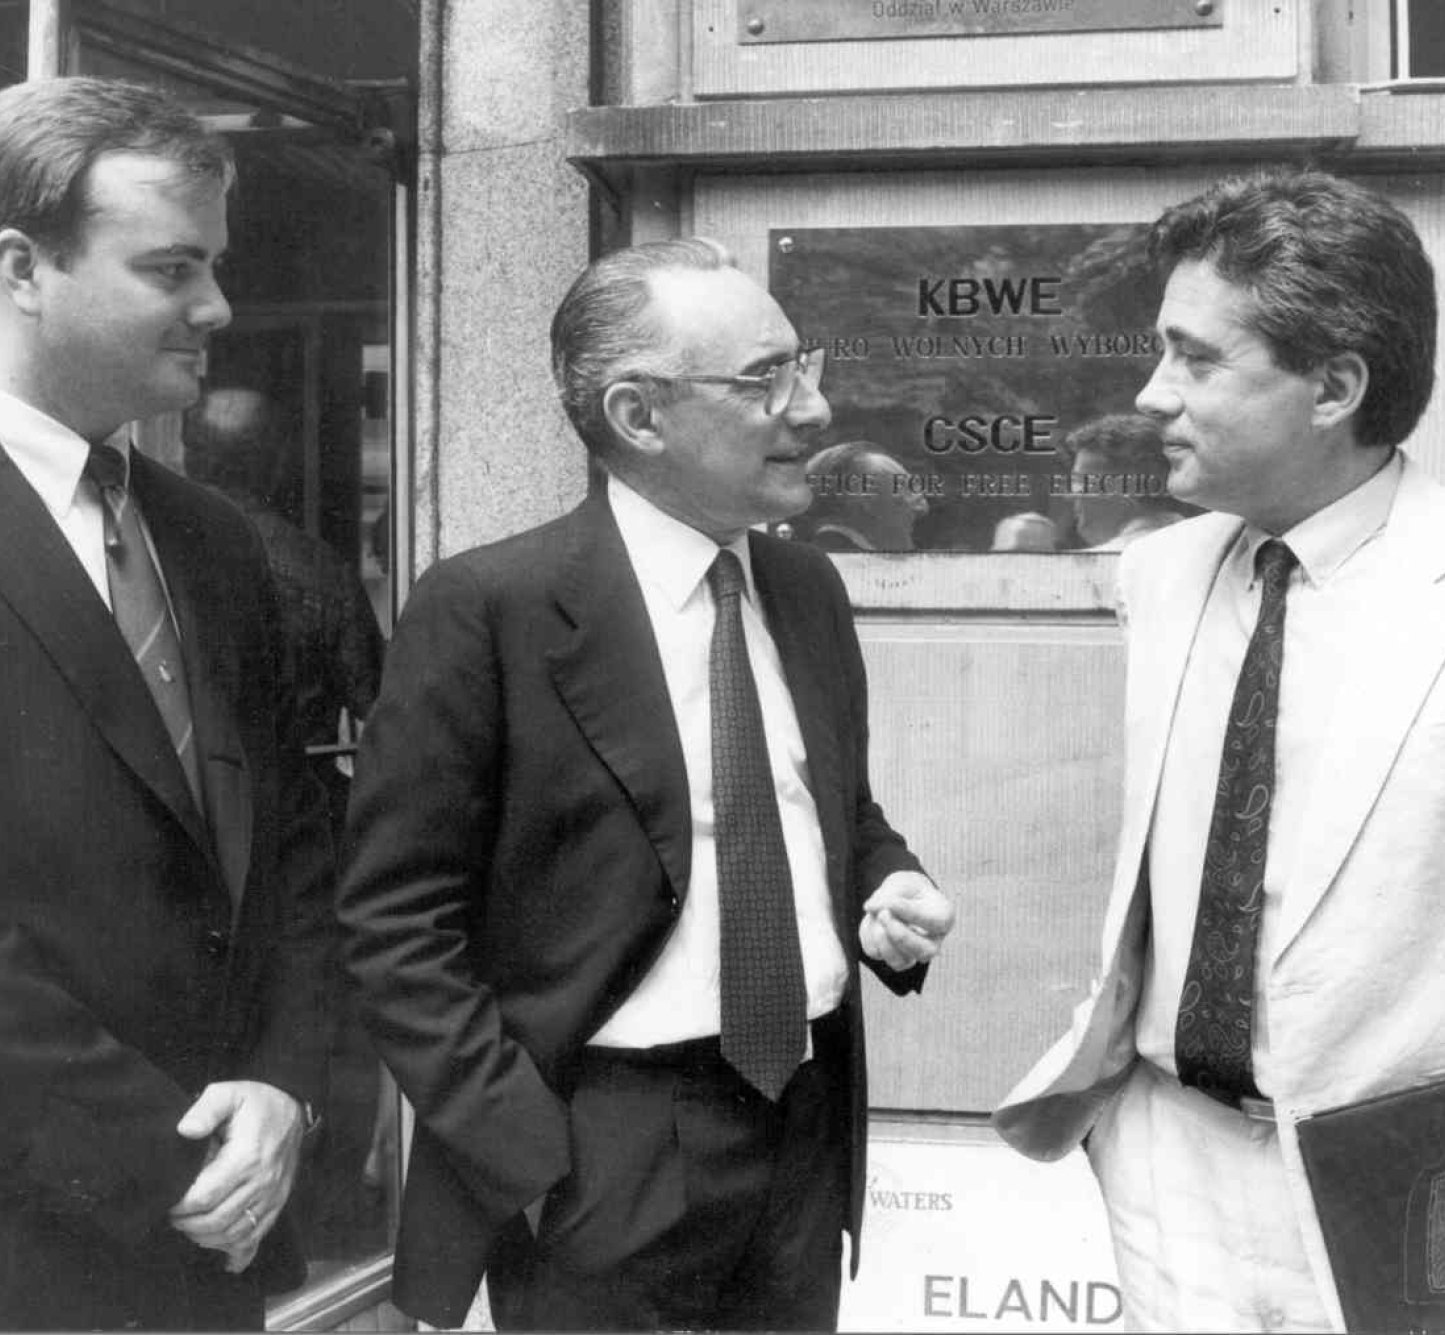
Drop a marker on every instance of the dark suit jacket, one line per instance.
(520, 846)
(143, 953)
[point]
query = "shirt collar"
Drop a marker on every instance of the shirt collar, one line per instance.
(1329, 537)
(49, 455)
(668, 555)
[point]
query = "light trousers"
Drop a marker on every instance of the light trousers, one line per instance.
(1206, 1236)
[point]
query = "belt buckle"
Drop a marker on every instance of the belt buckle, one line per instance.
(1257, 1110)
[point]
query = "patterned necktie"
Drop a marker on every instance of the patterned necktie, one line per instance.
(1213, 1035)
(142, 613)
(764, 998)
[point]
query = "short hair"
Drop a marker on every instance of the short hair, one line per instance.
(848, 457)
(1130, 443)
(1127, 439)
(847, 454)
(1330, 267)
(52, 131)
(604, 330)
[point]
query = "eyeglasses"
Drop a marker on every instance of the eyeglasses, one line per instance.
(779, 382)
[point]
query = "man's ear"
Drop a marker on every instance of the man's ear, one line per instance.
(628, 408)
(19, 258)
(1340, 385)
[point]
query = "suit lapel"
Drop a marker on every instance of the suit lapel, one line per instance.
(49, 590)
(199, 599)
(796, 624)
(1164, 631)
(610, 677)
(1397, 650)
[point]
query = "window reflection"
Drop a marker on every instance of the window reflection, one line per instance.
(347, 1196)
(1421, 39)
(294, 425)
(14, 40)
(374, 548)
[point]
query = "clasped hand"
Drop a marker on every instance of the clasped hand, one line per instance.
(905, 920)
(254, 1130)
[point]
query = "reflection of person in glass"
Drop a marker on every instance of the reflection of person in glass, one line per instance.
(862, 501)
(235, 441)
(1026, 531)
(1119, 481)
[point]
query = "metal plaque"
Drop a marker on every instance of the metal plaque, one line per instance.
(764, 21)
(982, 384)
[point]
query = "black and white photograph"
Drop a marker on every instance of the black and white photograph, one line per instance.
(717, 665)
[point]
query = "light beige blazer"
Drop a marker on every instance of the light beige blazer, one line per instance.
(1356, 987)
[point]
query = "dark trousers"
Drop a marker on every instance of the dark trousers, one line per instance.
(693, 1203)
(58, 1273)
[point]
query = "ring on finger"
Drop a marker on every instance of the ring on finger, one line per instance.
(251, 1218)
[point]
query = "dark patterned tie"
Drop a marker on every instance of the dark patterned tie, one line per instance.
(764, 998)
(142, 613)
(1213, 1035)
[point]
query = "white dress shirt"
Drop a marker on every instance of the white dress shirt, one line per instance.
(1339, 560)
(679, 998)
(51, 457)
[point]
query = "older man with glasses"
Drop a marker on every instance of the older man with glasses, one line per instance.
(615, 861)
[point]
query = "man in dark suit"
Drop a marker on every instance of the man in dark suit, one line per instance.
(163, 915)
(616, 762)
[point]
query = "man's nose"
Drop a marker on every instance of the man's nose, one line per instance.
(808, 407)
(1156, 399)
(210, 311)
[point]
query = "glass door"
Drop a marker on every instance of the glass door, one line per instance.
(304, 422)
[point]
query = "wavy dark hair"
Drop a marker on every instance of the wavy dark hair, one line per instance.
(1330, 267)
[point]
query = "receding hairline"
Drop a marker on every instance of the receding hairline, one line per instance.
(176, 185)
(54, 132)
(673, 338)
(170, 176)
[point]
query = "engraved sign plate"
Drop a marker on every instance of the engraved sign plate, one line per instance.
(982, 384)
(764, 21)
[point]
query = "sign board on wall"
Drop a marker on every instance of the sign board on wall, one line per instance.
(969, 1236)
(762, 21)
(826, 47)
(982, 382)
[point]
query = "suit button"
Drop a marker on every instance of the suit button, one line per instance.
(216, 943)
